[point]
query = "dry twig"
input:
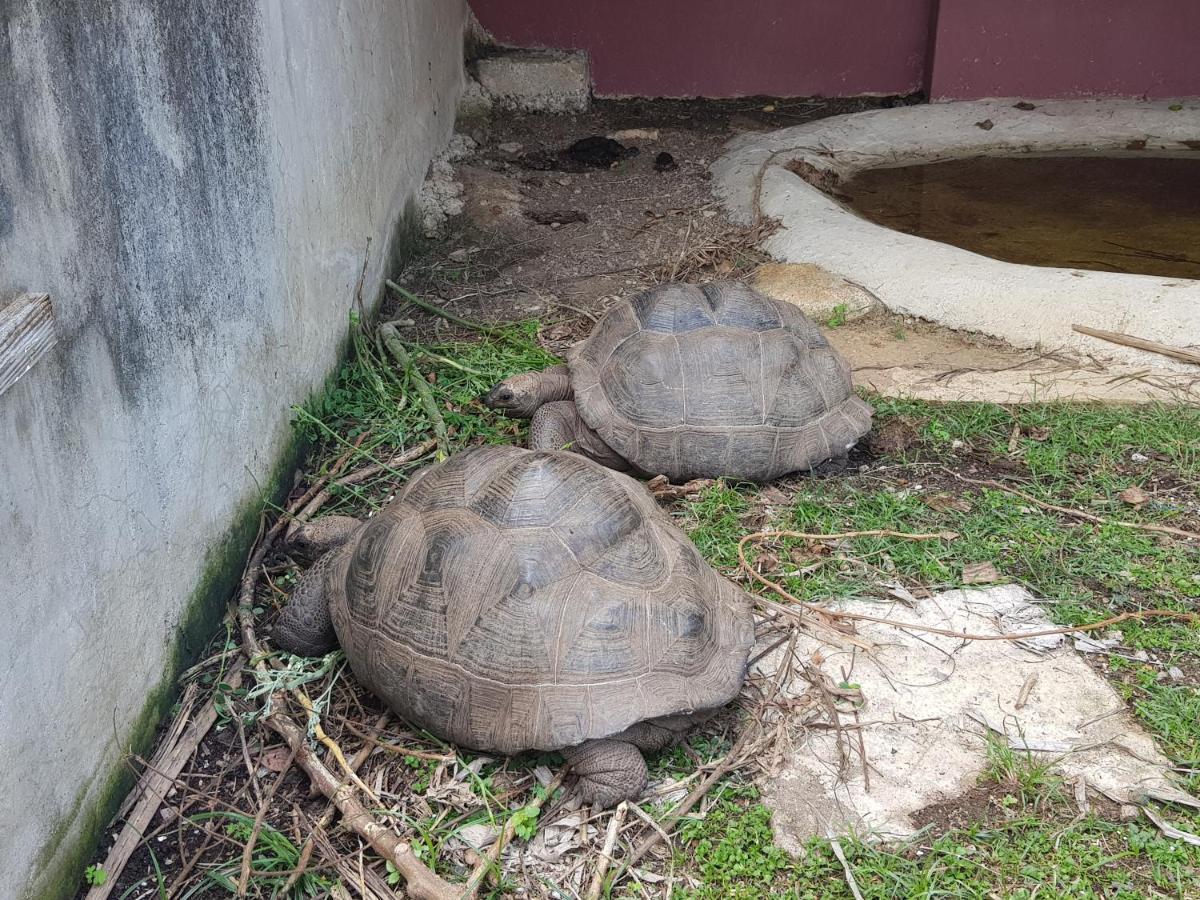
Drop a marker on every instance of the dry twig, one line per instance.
(830, 615)
(1077, 513)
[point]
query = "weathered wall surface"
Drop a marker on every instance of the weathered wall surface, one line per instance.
(194, 182)
(717, 48)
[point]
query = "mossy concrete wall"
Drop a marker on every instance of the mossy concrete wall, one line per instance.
(195, 183)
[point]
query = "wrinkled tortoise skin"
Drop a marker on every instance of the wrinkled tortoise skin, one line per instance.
(700, 380)
(512, 599)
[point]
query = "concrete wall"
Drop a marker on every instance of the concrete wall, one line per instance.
(1066, 48)
(955, 49)
(194, 182)
(718, 48)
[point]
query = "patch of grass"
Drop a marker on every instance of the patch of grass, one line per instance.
(1030, 781)
(837, 316)
(1173, 713)
(273, 852)
(732, 849)
(730, 853)
(371, 397)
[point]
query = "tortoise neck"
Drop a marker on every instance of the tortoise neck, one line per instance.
(554, 384)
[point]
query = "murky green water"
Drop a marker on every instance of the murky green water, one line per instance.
(1116, 214)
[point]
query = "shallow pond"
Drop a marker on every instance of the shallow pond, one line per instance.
(1109, 213)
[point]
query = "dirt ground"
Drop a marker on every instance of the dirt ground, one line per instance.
(622, 228)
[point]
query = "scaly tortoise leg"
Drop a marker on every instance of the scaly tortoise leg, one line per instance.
(609, 771)
(558, 426)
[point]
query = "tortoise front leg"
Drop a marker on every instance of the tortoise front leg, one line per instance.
(558, 426)
(609, 771)
(304, 627)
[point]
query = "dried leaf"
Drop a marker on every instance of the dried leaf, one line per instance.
(980, 573)
(1134, 496)
(944, 502)
(277, 758)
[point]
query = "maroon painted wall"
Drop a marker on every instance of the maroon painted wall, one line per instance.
(1066, 48)
(727, 48)
(978, 48)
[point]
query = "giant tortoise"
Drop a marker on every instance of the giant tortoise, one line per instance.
(512, 600)
(695, 381)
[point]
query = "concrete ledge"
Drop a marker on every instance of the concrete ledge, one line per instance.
(1028, 306)
(536, 80)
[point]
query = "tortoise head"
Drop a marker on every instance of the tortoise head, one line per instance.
(519, 395)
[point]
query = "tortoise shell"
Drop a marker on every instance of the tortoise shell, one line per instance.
(512, 600)
(699, 381)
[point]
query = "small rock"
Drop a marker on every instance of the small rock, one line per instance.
(1175, 673)
(986, 124)
(459, 255)
(1139, 457)
(1142, 656)
(956, 444)
(635, 134)
(665, 162)
(1024, 105)
(1129, 812)
(510, 147)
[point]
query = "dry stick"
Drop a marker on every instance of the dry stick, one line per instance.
(443, 313)
(360, 475)
(263, 806)
(610, 841)
(835, 615)
(154, 783)
(492, 858)
(836, 846)
(395, 346)
(1128, 340)
(730, 762)
(356, 763)
(423, 884)
(1078, 513)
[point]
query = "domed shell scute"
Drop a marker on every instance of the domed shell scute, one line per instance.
(512, 618)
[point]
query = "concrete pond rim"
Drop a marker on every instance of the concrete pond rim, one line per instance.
(1027, 306)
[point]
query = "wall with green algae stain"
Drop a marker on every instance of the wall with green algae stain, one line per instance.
(69, 849)
(71, 846)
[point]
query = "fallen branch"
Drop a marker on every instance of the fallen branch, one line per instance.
(610, 842)
(153, 785)
(1077, 513)
(789, 609)
(360, 475)
(395, 346)
(422, 883)
(443, 313)
(1128, 340)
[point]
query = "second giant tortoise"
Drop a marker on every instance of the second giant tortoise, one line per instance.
(512, 600)
(695, 381)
